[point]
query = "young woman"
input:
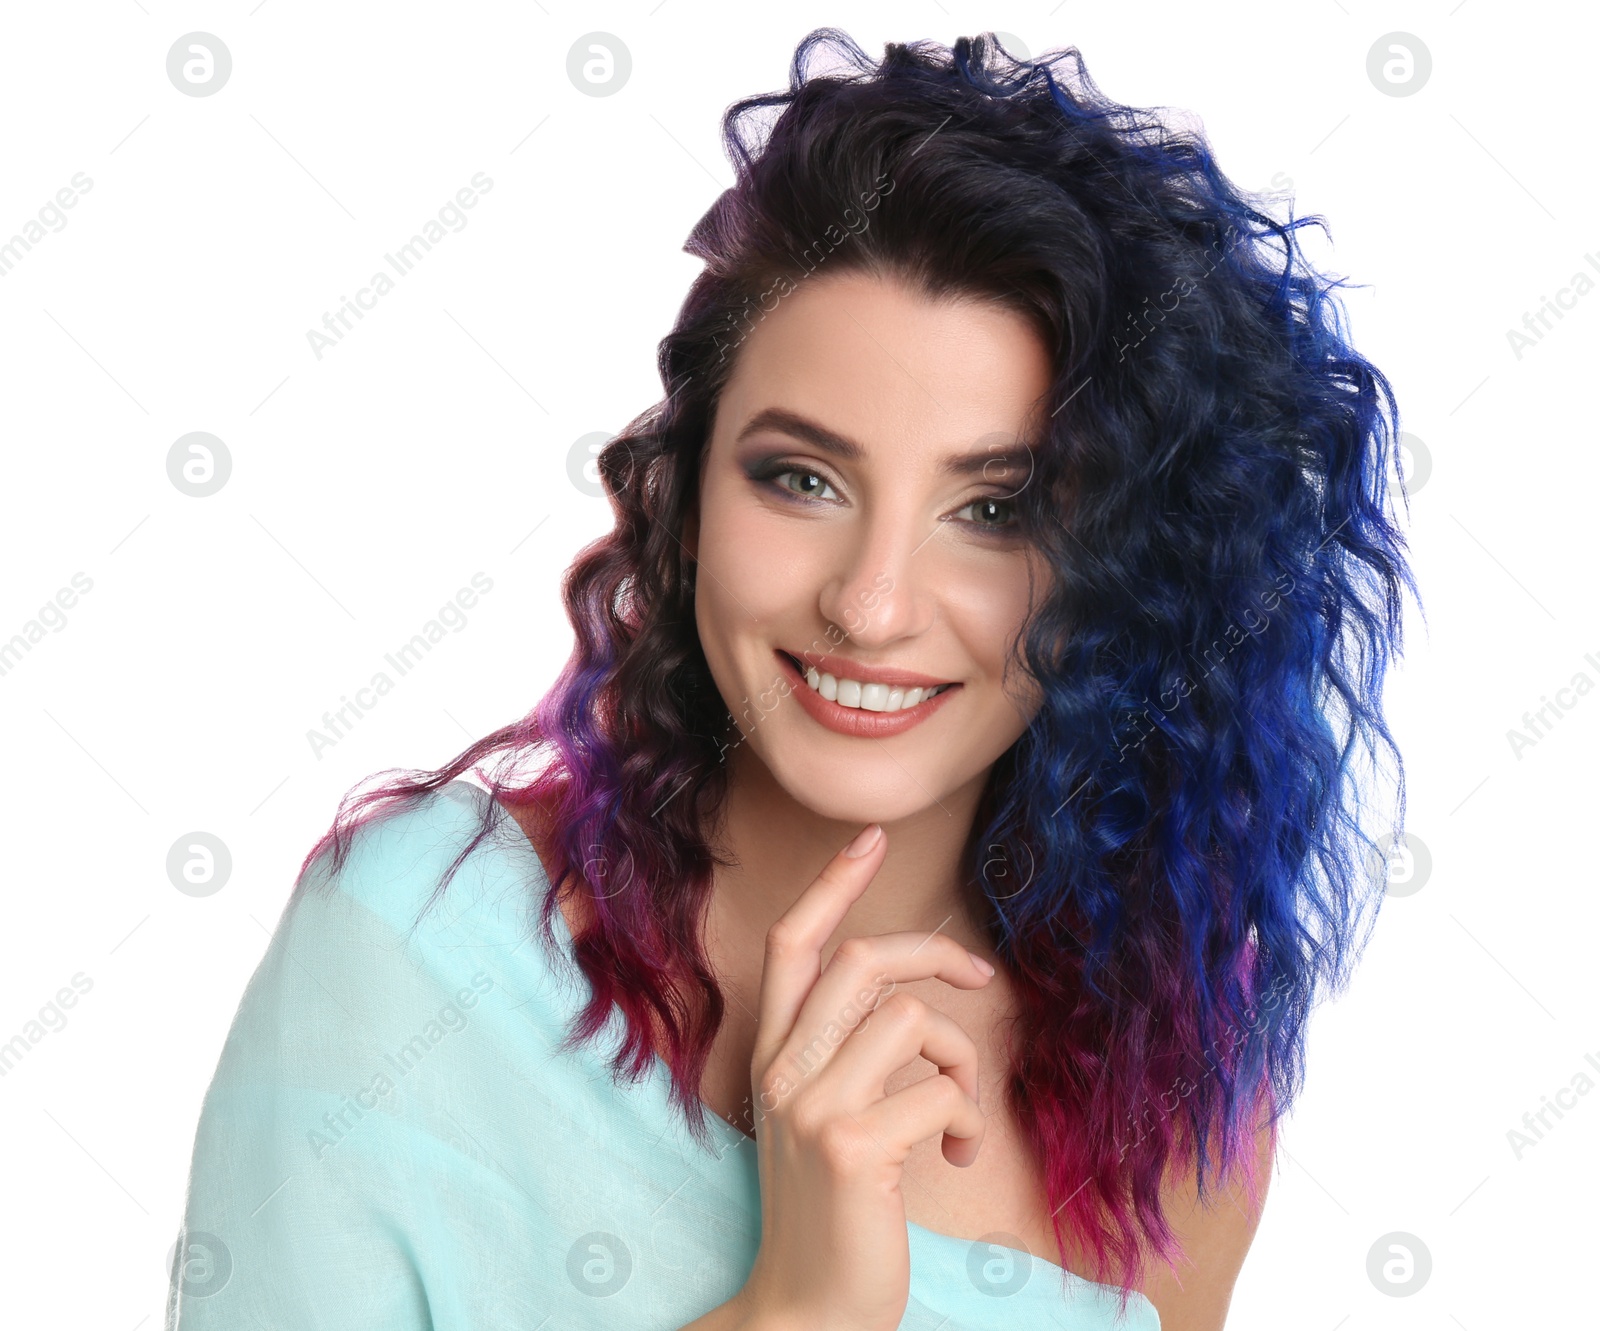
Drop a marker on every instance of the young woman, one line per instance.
(904, 910)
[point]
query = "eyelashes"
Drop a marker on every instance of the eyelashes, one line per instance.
(820, 490)
(1012, 524)
(768, 472)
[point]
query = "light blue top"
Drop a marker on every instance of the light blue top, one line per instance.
(391, 1141)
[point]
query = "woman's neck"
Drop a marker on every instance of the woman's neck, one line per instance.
(779, 846)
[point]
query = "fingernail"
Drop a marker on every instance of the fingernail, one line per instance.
(981, 964)
(865, 840)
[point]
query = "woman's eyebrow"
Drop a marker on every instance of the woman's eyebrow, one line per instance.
(784, 421)
(802, 427)
(991, 463)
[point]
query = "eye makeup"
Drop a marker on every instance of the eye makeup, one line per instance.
(767, 471)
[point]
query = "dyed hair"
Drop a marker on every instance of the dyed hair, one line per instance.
(1172, 852)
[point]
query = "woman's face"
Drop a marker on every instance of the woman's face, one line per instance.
(853, 516)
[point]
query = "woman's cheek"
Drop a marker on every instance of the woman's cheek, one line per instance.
(995, 606)
(783, 561)
(757, 582)
(994, 600)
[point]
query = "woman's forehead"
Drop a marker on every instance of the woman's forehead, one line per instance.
(870, 360)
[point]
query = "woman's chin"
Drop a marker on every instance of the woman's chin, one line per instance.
(857, 791)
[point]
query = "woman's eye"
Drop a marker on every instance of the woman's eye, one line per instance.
(993, 512)
(810, 491)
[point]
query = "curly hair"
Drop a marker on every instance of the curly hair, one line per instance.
(1173, 852)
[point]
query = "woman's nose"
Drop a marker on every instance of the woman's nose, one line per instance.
(882, 589)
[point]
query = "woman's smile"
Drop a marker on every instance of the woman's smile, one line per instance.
(869, 703)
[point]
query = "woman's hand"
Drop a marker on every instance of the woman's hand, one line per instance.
(831, 1145)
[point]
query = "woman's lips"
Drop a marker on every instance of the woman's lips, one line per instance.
(855, 721)
(842, 668)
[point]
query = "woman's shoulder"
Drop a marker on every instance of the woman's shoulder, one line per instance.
(387, 1088)
(407, 933)
(395, 858)
(444, 882)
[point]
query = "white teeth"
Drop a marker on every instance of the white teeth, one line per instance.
(868, 697)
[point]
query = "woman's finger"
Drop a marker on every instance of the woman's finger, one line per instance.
(933, 1106)
(859, 977)
(902, 1029)
(794, 943)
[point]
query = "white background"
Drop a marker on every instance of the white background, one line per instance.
(432, 443)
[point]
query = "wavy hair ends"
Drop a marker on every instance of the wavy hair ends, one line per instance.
(1173, 853)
